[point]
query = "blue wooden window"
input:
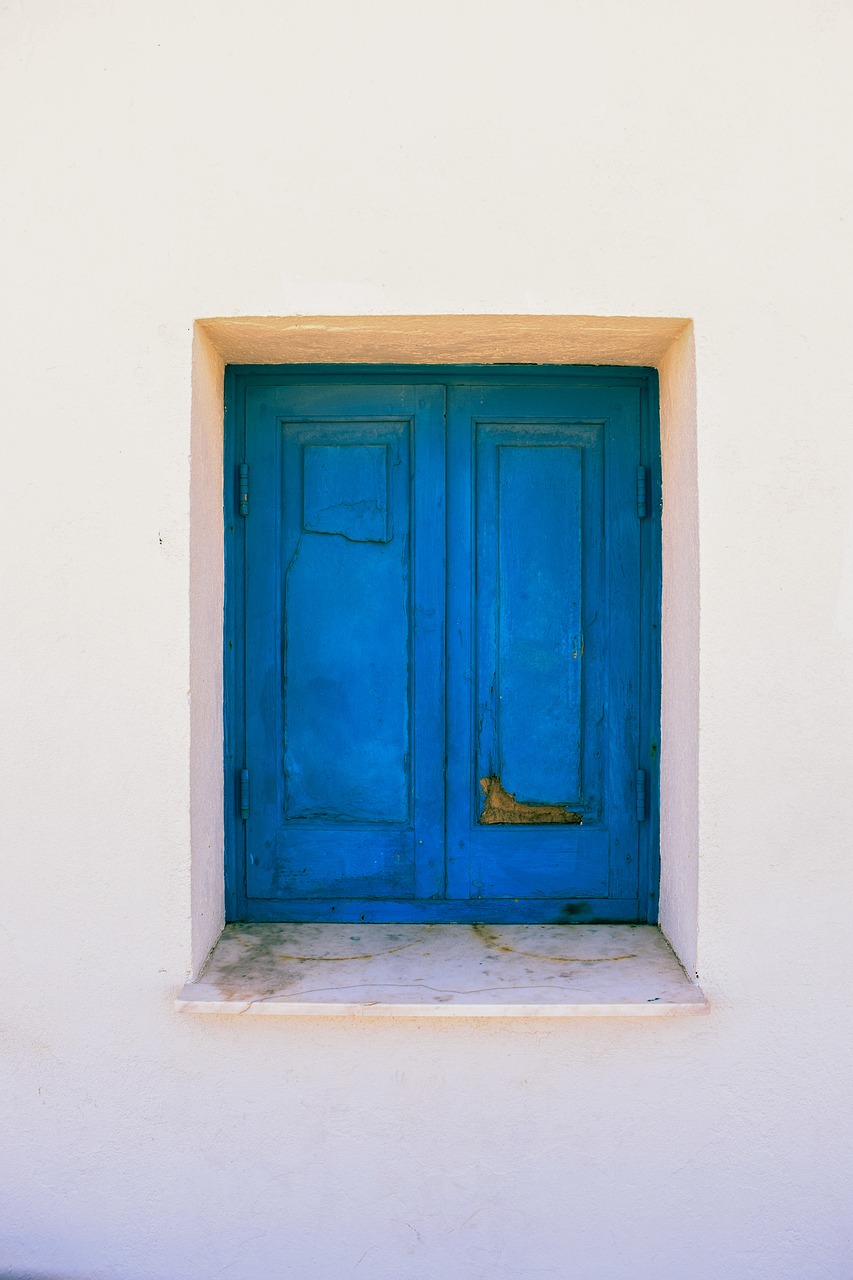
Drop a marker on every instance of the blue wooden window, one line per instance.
(442, 643)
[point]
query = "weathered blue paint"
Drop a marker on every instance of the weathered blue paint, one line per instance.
(336, 644)
(536, 568)
(559, 725)
(344, 591)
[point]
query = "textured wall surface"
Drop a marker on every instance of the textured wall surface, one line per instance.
(169, 161)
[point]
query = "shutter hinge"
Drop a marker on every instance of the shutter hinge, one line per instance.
(244, 795)
(642, 505)
(641, 795)
(244, 488)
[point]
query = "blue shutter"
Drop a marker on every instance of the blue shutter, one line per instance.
(376, 792)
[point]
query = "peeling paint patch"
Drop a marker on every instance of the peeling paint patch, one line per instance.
(345, 491)
(502, 807)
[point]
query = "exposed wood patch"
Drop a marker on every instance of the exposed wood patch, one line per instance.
(502, 807)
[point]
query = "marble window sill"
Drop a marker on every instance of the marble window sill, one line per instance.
(379, 970)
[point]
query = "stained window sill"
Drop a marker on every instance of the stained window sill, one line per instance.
(494, 971)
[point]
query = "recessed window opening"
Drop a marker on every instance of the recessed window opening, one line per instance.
(442, 643)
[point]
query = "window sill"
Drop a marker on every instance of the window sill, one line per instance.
(379, 970)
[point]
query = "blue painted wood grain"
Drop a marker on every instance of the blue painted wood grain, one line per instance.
(347, 630)
(539, 534)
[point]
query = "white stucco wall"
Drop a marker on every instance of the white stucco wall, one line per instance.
(168, 162)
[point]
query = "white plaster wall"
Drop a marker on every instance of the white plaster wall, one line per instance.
(164, 162)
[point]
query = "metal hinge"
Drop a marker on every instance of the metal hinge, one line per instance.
(244, 794)
(244, 488)
(642, 504)
(641, 795)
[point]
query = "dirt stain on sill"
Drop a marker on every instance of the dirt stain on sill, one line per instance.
(492, 939)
